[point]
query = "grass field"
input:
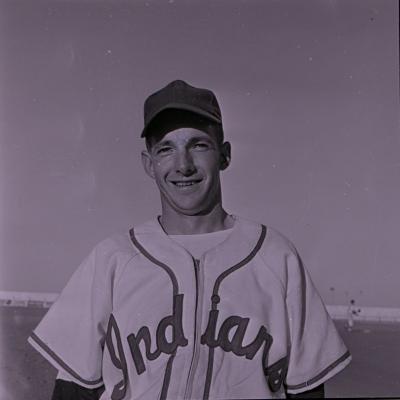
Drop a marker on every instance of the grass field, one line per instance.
(373, 373)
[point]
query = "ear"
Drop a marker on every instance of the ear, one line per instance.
(147, 162)
(225, 155)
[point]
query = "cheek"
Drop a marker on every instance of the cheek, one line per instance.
(213, 169)
(158, 165)
(208, 162)
(161, 168)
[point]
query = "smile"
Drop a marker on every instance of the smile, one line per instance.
(183, 184)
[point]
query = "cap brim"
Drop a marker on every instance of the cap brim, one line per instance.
(184, 107)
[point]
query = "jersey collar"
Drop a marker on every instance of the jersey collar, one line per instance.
(234, 249)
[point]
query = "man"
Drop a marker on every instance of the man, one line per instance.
(196, 303)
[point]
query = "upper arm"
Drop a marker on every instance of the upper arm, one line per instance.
(317, 352)
(72, 333)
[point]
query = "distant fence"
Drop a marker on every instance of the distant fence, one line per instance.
(27, 299)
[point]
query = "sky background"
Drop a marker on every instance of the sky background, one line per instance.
(309, 92)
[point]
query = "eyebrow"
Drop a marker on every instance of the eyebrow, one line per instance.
(190, 142)
(163, 143)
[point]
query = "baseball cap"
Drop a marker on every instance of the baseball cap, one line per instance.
(180, 96)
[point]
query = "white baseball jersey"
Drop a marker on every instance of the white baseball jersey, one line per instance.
(147, 320)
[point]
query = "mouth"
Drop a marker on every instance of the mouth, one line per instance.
(186, 183)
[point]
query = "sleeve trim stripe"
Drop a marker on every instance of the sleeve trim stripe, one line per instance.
(59, 361)
(321, 374)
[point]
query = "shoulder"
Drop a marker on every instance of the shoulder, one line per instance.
(111, 254)
(117, 244)
(278, 244)
(278, 253)
(275, 243)
(281, 256)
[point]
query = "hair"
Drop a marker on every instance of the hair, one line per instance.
(170, 120)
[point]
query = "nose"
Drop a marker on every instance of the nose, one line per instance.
(184, 163)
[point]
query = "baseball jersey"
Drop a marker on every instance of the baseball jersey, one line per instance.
(146, 319)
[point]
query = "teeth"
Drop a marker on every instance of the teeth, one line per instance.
(184, 183)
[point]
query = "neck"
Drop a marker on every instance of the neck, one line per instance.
(174, 223)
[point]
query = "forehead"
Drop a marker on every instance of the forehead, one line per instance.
(184, 135)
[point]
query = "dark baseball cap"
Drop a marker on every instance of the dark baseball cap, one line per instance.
(180, 96)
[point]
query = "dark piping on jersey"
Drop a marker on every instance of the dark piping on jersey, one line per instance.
(167, 269)
(64, 365)
(182, 341)
(321, 374)
(235, 345)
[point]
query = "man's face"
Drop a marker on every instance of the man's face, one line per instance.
(186, 164)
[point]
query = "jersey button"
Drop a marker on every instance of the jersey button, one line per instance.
(215, 299)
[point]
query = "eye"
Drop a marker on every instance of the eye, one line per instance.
(164, 150)
(201, 146)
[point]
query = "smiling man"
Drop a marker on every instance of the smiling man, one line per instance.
(185, 154)
(197, 303)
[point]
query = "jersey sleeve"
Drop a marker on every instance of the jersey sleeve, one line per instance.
(72, 333)
(317, 352)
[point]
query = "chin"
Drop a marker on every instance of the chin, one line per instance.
(198, 208)
(197, 205)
